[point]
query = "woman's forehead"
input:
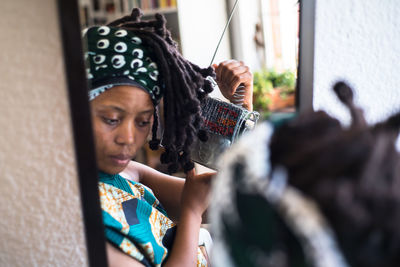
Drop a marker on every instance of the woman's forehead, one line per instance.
(127, 98)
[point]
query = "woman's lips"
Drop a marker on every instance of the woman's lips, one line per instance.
(120, 160)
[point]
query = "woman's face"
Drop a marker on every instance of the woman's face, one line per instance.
(122, 118)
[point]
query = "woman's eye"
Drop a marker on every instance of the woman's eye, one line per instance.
(110, 121)
(143, 123)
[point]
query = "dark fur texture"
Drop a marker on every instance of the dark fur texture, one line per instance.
(353, 173)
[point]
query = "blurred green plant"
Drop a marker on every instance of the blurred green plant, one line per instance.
(262, 85)
(266, 80)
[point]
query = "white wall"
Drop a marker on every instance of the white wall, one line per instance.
(289, 16)
(358, 41)
(243, 25)
(201, 24)
(247, 15)
(41, 221)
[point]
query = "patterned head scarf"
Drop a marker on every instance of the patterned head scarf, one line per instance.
(115, 56)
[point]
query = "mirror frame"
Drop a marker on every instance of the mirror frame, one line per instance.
(305, 72)
(69, 23)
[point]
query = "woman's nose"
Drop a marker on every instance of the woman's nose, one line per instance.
(125, 134)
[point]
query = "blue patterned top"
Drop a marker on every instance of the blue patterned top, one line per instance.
(135, 220)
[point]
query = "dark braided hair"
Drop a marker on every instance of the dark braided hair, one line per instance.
(185, 87)
(353, 173)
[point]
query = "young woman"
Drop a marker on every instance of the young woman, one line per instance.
(151, 219)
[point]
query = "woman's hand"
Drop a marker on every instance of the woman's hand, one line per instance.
(196, 193)
(194, 201)
(231, 74)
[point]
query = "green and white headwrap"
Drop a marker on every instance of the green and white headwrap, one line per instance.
(115, 56)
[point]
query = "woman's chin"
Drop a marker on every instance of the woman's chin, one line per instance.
(113, 164)
(114, 169)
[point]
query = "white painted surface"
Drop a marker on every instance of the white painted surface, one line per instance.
(289, 20)
(245, 19)
(201, 24)
(41, 221)
(358, 41)
(247, 15)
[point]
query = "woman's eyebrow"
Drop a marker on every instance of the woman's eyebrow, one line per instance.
(121, 110)
(147, 111)
(116, 108)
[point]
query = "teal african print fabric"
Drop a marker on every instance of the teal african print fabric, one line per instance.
(115, 56)
(135, 221)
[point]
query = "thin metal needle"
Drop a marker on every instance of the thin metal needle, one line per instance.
(223, 33)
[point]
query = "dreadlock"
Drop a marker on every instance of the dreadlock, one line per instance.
(185, 89)
(352, 172)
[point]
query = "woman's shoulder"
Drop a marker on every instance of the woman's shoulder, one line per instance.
(132, 171)
(141, 175)
(144, 174)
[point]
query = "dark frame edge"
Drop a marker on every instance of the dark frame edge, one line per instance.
(69, 23)
(305, 80)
